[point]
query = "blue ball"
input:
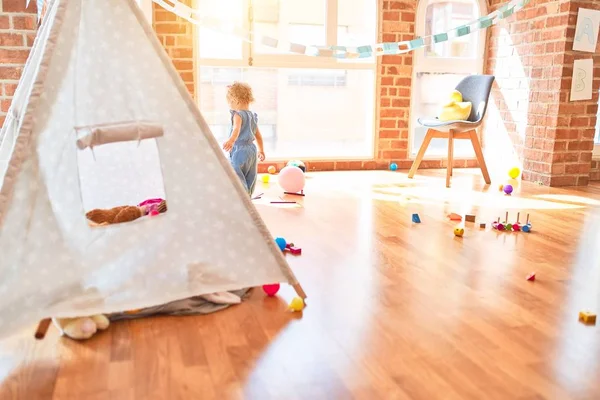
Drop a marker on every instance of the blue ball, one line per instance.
(281, 243)
(526, 228)
(393, 166)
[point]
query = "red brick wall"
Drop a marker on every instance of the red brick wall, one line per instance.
(17, 32)
(531, 56)
(177, 36)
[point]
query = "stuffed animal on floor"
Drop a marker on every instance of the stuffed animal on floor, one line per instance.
(114, 215)
(81, 328)
(456, 109)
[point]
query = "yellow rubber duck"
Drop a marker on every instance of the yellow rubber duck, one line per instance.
(456, 109)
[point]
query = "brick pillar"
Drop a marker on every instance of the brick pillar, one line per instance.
(17, 33)
(395, 79)
(177, 36)
(576, 123)
(531, 56)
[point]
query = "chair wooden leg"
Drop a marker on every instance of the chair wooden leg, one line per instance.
(479, 154)
(450, 157)
(420, 154)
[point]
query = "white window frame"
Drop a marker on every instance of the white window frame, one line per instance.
(253, 59)
(442, 65)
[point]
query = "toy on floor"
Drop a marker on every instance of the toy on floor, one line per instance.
(416, 219)
(516, 227)
(265, 178)
(454, 217)
(455, 109)
(297, 163)
(115, 215)
(281, 243)
(459, 232)
(297, 304)
(271, 169)
(482, 225)
(393, 166)
(81, 328)
(469, 218)
(291, 179)
(501, 188)
(508, 189)
(514, 172)
(292, 249)
(587, 317)
(272, 289)
(531, 277)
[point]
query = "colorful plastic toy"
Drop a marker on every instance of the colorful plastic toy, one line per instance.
(271, 169)
(416, 219)
(516, 227)
(281, 243)
(587, 317)
(459, 232)
(294, 250)
(297, 304)
(508, 189)
(531, 277)
(482, 226)
(265, 178)
(500, 188)
(469, 218)
(454, 217)
(271, 290)
(297, 163)
(393, 166)
(514, 172)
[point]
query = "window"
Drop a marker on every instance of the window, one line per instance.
(440, 67)
(308, 107)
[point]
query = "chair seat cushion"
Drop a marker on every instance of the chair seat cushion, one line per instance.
(437, 123)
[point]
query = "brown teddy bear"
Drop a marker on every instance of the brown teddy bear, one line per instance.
(114, 215)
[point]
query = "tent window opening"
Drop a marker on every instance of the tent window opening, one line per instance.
(121, 180)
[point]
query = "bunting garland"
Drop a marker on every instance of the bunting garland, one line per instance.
(339, 52)
(364, 51)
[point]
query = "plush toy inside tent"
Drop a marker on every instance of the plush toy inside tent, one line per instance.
(101, 119)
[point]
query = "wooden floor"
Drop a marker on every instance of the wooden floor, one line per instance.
(395, 310)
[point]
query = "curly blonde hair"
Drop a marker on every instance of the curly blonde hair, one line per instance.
(240, 93)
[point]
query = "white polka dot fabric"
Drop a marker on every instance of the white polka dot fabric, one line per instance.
(96, 62)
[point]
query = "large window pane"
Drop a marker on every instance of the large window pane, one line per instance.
(432, 90)
(216, 44)
(357, 20)
(300, 22)
(444, 16)
(310, 113)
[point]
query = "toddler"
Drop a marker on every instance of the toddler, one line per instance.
(243, 154)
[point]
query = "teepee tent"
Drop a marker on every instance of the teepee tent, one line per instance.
(98, 101)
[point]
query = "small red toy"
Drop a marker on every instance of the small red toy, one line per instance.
(516, 227)
(531, 277)
(272, 289)
(294, 250)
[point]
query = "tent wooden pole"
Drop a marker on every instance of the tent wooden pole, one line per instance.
(42, 328)
(299, 291)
